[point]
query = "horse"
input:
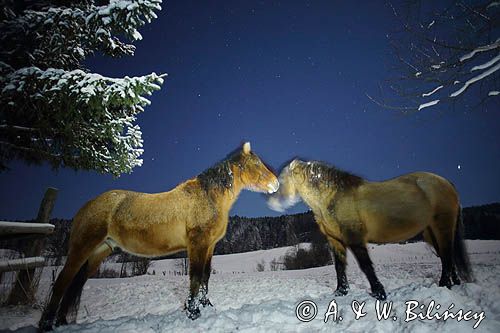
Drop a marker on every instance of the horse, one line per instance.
(193, 216)
(351, 211)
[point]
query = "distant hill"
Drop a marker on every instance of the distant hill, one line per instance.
(249, 234)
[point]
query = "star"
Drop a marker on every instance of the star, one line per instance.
(459, 167)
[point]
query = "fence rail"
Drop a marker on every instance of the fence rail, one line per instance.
(27, 278)
(23, 263)
(14, 229)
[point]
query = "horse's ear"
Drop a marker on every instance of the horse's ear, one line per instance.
(246, 148)
(293, 164)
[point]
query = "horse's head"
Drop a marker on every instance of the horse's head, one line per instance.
(254, 174)
(287, 195)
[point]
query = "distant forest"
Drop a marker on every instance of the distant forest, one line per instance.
(259, 233)
(250, 234)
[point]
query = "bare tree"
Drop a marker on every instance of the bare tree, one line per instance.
(445, 54)
(140, 266)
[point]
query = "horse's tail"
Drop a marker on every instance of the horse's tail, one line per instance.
(460, 257)
(71, 300)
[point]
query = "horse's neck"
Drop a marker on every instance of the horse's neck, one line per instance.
(226, 199)
(230, 197)
(316, 200)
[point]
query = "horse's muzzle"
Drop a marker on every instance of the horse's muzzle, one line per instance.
(273, 187)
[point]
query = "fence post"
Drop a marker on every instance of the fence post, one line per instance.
(24, 291)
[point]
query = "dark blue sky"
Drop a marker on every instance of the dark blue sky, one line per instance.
(291, 78)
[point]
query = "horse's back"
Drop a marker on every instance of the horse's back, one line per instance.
(434, 189)
(148, 224)
(440, 192)
(401, 207)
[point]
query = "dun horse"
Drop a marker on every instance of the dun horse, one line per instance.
(351, 211)
(192, 216)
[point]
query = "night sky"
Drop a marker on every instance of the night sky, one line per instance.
(289, 77)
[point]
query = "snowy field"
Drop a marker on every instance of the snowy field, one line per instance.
(249, 301)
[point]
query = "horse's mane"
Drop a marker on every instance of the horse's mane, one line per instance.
(220, 176)
(317, 172)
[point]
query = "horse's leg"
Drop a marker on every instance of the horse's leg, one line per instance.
(339, 252)
(442, 229)
(446, 267)
(84, 240)
(76, 259)
(454, 276)
(197, 253)
(97, 257)
(71, 299)
(206, 276)
(430, 238)
(364, 261)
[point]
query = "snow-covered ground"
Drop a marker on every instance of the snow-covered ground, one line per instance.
(250, 301)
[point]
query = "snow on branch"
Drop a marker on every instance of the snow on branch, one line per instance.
(63, 36)
(476, 79)
(121, 17)
(91, 116)
(486, 64)
(443, 53)
(493, 4)
(483, 48)
(432, 92)
(426, 105)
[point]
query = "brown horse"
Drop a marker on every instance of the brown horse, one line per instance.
(193, 217)
(351, 211)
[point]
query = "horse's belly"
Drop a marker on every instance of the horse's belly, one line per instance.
(151, 240)
(393, 230)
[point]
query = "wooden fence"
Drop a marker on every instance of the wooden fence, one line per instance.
(26, 283)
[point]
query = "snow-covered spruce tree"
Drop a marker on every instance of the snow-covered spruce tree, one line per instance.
(446, 53)
(52, 108)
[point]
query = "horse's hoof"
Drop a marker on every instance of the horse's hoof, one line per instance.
(455, 279)
(379, 294)
(205, 302)
(446, 284)
(44, 326)
(61, 322)
(193, 314)
(341, 292)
